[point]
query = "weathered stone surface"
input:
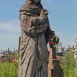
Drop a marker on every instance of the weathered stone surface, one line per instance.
(33, 61)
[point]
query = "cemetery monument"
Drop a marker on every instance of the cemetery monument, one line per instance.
(35, 30)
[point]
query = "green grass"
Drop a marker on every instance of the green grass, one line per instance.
(8, 70)
(68, 61)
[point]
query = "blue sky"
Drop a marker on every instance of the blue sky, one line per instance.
(62, 18)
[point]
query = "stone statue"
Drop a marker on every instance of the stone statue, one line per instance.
(33, 61)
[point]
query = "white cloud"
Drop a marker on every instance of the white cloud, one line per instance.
(9, 34)
(11, 26)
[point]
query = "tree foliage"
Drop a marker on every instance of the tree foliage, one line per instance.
(68, 64)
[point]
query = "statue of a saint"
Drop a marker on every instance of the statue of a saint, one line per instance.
(33, 61)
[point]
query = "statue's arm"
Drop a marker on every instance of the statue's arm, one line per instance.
(23, 21)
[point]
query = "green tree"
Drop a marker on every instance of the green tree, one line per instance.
(68, 64)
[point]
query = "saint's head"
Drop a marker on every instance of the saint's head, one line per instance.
(33, 1)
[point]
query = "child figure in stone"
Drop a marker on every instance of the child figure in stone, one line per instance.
(39, 22)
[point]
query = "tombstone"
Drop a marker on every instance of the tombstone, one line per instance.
(33, 61)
